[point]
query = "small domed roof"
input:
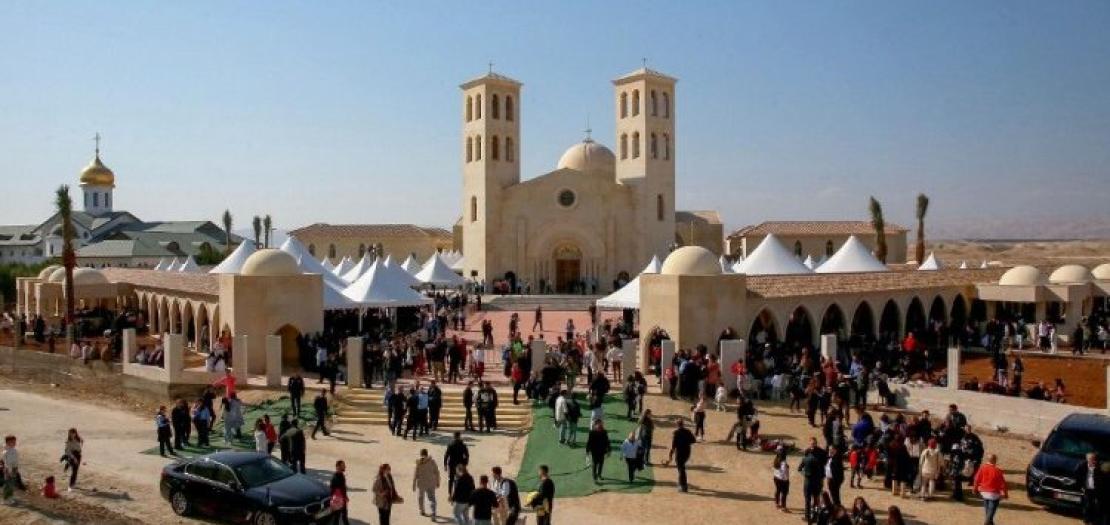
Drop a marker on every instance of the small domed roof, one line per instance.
(589, 157)
(1101, 272)
(57, 276)
(691, 260)
(1070, 274)
(81, 276)
(270, 262)
(45, 273)
(97, 174)
(1021, 276)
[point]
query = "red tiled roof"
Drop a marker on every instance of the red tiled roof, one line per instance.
(196, 283)
(771, 286)
(369, 231)
(814, 228)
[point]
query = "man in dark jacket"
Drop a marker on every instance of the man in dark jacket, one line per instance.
(597, 447)
(293, 438)
(835, 473)
(435, 404)
(320, 404)
(456, 454)
(179, 418)
(460, 493)
(1095, 497)
(812, 468)
(295, 385)
(396, 404)
(507, 494)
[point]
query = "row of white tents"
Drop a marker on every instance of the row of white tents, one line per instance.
(771, 257)
(188, 265)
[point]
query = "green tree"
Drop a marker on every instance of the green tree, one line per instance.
(227, 231)
(268, 228)
(256, 223)
(879, 224)
(208, 256)
(922, 209)
(63, 204)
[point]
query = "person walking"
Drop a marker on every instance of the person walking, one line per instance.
(645, 431)
(233, 418)
(990, 483)
(546, 491)
(537, 321)
(1094, 491)
(339, 499)
(698, 411)
(162, 426)
(259, 435)
(630, 451)
(11, 476)
(271, 433)
(294, 437)
(812, 468)
(460, 495)
(681, 447)
(320, 405)
(508, 496)
(929, 469)
(456, 454)
(295, 386)
(72, 456)
(385, 494)
(482, 502)
(561, 415)
(284, 444)
(397, 405)
(468, 404)
(780, 473)
(435, 405)
(597, 448)
(834, 472)
(179, 419)
(202, 419)
(425, 481)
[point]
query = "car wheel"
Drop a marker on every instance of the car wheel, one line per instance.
(264, 518)
(180, 504)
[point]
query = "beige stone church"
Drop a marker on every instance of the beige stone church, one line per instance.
(599, 217)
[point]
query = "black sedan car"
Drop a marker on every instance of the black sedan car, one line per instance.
(1053, 476)
(244, 487)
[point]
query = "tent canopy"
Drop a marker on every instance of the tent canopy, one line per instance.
(343, 267)
(172, 266)
(378, 288)
(410, 265)
(359, 268)
(309, 264)
(931, 263)
(853, 257)
(436, 272)
(189, 266)
(233, 263)
(772, 258)
(629, 295)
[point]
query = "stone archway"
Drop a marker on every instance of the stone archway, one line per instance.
(863, 321)
(833, 322)
(890, 322)
(290, 350)
(915, 318)
(764, 323)
(568, 268)
(799, 328)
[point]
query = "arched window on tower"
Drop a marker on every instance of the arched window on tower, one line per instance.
(478, 147)
(509, 155)
(508, 107)
(96, 200)
(469, 109)
(654, 146)
(312, 249)
(659, 207)
(361, 250)
(654, 104)
(635, 102)
(478, 107)
(469, 149)
(473, 209)
(636, 145)
(666, 147)
(666, 105)
(624, 146)
(624, 104)
(829, 248)
(331, 251)
(108, 200)
(494, 147)
(494, 107)
(798, 249)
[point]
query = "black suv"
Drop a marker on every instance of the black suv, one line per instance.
(1053, 476)
(244, 487)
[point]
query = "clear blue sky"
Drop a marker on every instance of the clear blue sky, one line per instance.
(349, 112)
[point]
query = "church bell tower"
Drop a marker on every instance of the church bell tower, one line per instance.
(97, 184)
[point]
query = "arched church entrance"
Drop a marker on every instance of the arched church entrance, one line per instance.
(568, 268)
(290, 350)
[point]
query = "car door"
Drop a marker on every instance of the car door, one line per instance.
(201, 487)
(233, 504)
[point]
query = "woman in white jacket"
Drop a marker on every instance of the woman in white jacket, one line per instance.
(929, 467)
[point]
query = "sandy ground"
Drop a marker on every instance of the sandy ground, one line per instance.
(1010, 253)
(126, 481)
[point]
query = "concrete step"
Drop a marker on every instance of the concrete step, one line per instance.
(551, 303)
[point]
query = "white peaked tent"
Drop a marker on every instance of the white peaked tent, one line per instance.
(436, 272)
(326, 263)
(459, 265)
(809, 262)
(333, 294)
(738, 266)
(399, 273)
(629, 295)
(931, 264)
(410, 265)
(161, 265)
(963, 265)
(772, 258)
(725, 266)
(233, 263)
(377, 288)
(358, 269)
(984, 265)
(172, 266)
(189, 266)
(343, 267)
(853, 257)
(309, 264)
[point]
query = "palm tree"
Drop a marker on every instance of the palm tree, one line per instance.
(922, 209)
(64, 206)
(879, 224)
(257, 223)
(268, 226)
(227, 231)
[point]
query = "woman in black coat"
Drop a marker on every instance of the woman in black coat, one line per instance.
(597, 447)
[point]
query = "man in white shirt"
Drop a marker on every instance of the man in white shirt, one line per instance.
(561, 415)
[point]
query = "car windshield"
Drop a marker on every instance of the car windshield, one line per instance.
(1077, 444)
(262, 472)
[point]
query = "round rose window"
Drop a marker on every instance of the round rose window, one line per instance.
(566, 198)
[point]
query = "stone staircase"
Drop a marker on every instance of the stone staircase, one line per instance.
(527, 303)
(365, 407)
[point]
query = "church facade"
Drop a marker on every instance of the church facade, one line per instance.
(596, 219)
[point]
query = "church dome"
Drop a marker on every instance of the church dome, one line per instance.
(97, 174)
(1070, 274)
(1021, 276)
(269, 263)
(1101, 272)
(81, 276)
(691, 260)
(45, 273)
(589, 157)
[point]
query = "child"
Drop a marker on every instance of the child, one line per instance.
(48, 488)
(857, 459)
(781, 475)
(720, 398)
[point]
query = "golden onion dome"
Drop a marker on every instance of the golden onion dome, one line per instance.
(97, 174)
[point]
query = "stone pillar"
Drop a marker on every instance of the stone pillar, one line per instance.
(539, 354)
(173, 346)
(129, 345)
(665, 357)
(1041, 311)
(240, 358)
(628, 360)
(732, 350)
(354, 362)
(953, 368)
(828, 347)
(273, 360)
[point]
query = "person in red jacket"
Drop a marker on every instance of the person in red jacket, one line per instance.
(991, 485)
